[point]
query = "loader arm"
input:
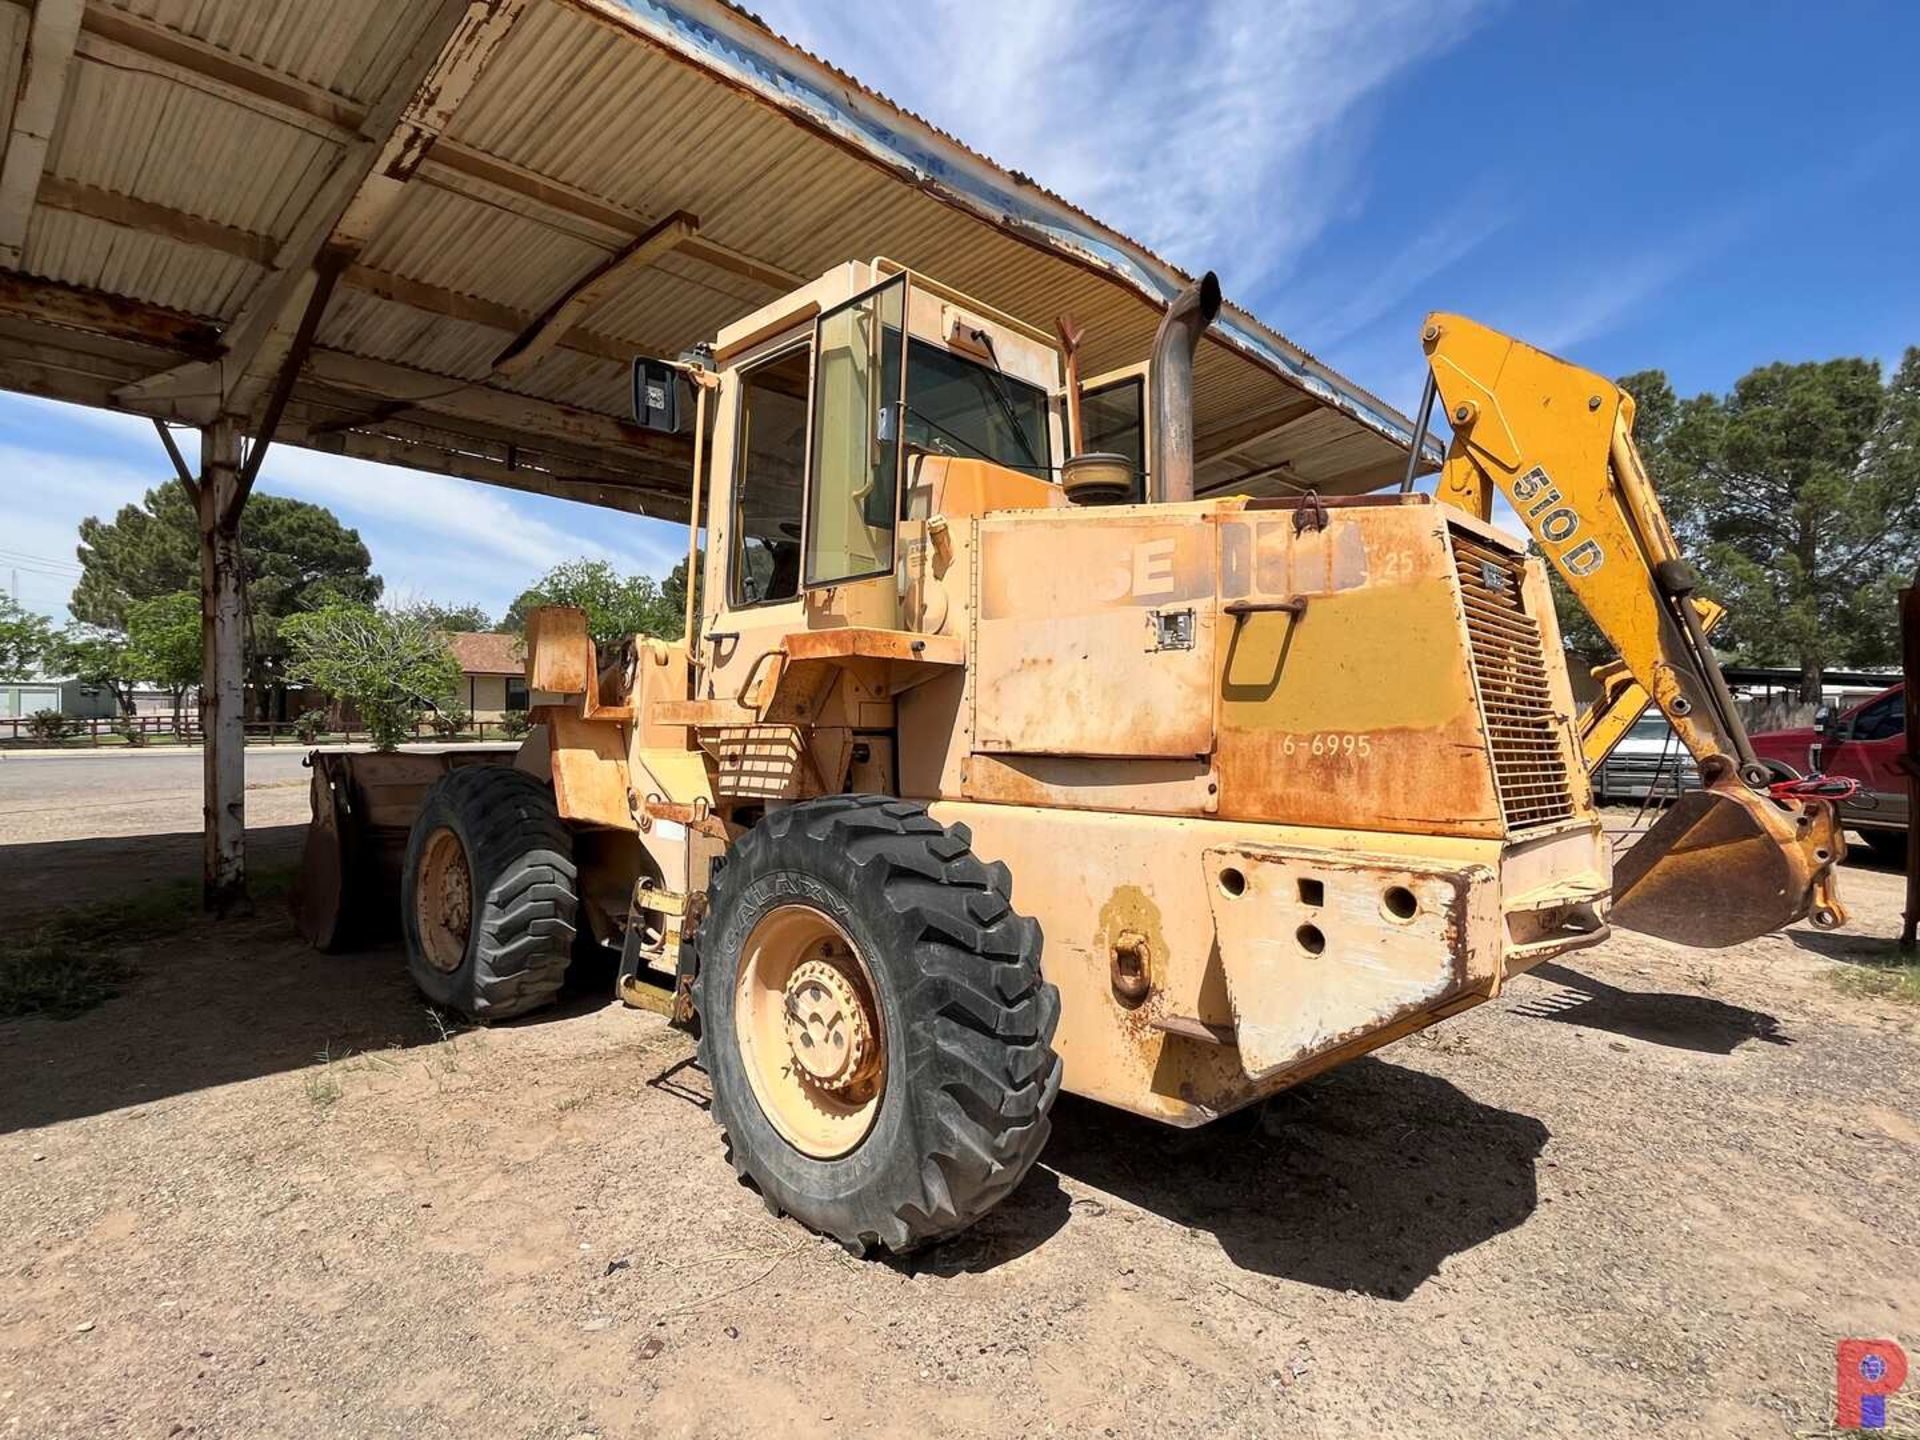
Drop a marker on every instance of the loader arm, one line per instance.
(1732, 861)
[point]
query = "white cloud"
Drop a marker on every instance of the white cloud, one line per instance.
(430, 536)
(1403, 282)
(474, 523)
(47, 495)
(1222, 133)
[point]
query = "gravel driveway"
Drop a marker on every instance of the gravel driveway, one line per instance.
(263, 1193)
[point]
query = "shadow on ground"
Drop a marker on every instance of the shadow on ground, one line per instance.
(40, 877)
(208, 1002)
(1366, 1178)
(1024, 1221)
(1851, 947)
(1681, 1022)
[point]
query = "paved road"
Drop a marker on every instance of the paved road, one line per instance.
(39, 782)
(85, 825)
(88, 794)
(107, 779)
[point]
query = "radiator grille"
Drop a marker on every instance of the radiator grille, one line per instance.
(1509, 667)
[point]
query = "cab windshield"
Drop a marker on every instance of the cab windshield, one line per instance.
(956, 406)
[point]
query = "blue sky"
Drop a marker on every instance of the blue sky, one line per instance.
(1696, 187)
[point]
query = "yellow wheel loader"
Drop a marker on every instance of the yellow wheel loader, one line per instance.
(985, 767)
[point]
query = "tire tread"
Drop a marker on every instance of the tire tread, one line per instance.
(978, 997)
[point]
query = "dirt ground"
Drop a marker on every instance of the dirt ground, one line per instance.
(264, 1193)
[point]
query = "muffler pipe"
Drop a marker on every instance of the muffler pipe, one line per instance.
(1186, 320)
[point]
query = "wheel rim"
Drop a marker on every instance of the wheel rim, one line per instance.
(808, 1031)
(443, 901)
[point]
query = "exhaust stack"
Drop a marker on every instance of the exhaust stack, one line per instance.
(1186, 320)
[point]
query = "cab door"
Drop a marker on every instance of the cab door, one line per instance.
(753, 591)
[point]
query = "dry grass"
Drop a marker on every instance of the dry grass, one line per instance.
(322, 1085)
(76, 959)
(1895, 977)
(71, 962)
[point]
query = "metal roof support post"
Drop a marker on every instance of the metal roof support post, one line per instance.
(222, 669)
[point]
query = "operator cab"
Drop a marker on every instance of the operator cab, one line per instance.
(831, 417)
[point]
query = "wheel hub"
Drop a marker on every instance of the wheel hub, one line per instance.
(811, 1035)
(456, 896)
(443, 901)
(828, 1029)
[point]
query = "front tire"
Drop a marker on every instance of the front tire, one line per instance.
(873, 1021)
(488, 895)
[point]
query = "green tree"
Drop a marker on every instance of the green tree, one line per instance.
(673, 591)
(97, 657)
(145, 551)
(163, 644)
(1799, 493)
(452, 618)
(299, 557)
(617, 606)
(26, 639)
(1797, 496)
(391, 664)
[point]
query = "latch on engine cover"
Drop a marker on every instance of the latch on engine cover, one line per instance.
(1172, 629)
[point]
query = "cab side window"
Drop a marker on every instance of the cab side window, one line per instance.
(856, 430)
(1115, 418)
(1882, 720)
(767, 492)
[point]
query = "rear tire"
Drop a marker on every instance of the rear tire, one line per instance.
(961, 1017)
(494, 835)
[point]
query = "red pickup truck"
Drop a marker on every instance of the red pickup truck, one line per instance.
(1864, 744)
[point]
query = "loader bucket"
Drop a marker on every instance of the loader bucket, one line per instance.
(1727, 865)
(319, 899)
(348, 889)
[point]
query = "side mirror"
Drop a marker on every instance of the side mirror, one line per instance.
(656, 395)
(1823, 722)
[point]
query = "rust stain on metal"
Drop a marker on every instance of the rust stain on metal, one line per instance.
(1320, 950)
(560, 656)
(1130, 935)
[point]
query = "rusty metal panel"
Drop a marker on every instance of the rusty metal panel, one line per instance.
(858, 641)
(1092, 879)
(777, 761)
(1359, 708)
(1095, 635)
(320, 889)
(589, 760)
(1321, 949)
(559, 654)
(1079, 782)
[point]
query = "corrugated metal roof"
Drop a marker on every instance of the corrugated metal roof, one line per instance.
(194, 133)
